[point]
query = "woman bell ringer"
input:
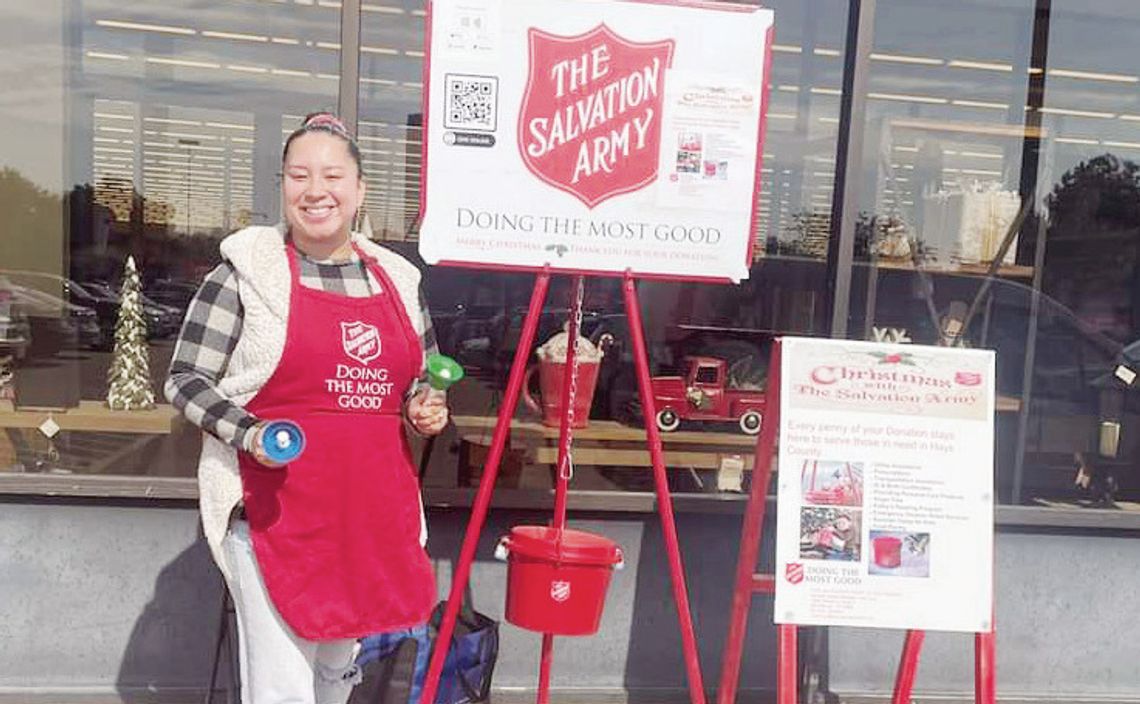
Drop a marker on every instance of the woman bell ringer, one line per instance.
(314, 323)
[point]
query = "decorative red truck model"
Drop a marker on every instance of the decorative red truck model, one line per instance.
(702, 394)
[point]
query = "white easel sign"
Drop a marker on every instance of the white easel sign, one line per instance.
(601, 137)
(885, 503)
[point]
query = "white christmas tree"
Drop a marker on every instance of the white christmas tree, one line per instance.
(129, 386)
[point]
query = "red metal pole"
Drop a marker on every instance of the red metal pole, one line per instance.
(544, 668)
(908, 667)
(750, 535)
(985, 665)
(664, 500)
(985, 679)
(486, 485)
(787, 664)
(569, 392)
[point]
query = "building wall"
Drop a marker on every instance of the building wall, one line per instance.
(123, 602)
(1065, 620)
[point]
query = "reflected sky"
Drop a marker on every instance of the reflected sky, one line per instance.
(969, 63)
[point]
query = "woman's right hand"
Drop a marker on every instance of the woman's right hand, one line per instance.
(258, 446)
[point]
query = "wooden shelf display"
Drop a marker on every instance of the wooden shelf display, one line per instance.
(93, 416)
(609, 443)
(917, 156)
(1012, 271)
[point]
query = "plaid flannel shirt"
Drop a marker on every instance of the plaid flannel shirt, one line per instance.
(211, 330)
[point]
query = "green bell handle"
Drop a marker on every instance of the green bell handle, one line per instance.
(443, 371)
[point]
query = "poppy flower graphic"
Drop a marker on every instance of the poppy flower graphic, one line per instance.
(894, 358)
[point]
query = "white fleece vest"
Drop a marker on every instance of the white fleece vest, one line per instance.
(259, 259)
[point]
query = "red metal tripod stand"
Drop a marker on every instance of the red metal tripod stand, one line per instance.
(494, 457)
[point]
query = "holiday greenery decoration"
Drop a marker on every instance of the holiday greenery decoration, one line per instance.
(129, 386)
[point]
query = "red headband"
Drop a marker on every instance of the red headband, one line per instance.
(326, 119)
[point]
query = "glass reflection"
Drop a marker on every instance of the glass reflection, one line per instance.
(1002, 132)
(148, 130)
(1085, 428)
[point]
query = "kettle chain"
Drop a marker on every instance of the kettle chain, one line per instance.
(567, 470)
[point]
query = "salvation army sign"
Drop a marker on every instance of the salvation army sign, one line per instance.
(594, 136)
(590, 122)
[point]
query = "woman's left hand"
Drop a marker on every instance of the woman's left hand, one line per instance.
(427, 413)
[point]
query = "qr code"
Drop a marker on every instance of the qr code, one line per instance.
(472, 102)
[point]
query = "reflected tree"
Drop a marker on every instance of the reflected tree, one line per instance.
(1093, 255)
(30, 236)
(102, 235)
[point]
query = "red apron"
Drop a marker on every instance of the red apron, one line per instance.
(336, 532)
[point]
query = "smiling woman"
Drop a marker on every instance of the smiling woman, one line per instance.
(261, 345)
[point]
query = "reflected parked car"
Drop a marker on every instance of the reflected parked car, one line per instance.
(162, 320)
(106, 305)
(15, 331)
(106, 308)
(1072, 375)
(51, 322)
(47, 311)
(173, 293)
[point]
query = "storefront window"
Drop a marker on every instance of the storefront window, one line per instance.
(145, 130)
(1082, 424)
(951, 153)
(151, 130)
(1001, 133)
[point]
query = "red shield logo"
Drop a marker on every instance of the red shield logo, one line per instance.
(968, 378)
(590, 122)
(559, 590)
(794, 572)
(360, 341)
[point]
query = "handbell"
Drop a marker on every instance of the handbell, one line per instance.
(283, 441)
(442, 372)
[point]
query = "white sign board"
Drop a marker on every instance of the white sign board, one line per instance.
(885, 498)
(599, 136)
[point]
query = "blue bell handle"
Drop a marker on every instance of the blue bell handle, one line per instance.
(282, 441)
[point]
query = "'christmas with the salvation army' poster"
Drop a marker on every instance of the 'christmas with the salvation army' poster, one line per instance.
(885, 503)
(598, 136)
